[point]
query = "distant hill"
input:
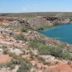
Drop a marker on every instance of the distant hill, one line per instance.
(66, 14)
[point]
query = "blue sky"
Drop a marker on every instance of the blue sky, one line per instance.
(35, 5)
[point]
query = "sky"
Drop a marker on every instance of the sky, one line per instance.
(7, 6)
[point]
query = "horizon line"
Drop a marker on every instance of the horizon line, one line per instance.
(39, 12)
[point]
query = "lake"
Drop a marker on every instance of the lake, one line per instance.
(62, 33)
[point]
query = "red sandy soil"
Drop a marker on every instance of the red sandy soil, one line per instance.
(5, 59)
(60, 68)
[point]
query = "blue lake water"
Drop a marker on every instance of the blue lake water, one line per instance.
(62, 33)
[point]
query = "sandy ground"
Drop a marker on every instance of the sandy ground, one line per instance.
(4, 59)
(60, 68)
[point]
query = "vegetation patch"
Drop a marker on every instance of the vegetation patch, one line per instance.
(49, 50)
(20, 37)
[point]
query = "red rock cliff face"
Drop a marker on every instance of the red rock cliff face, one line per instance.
(57, 20)
(5, 21)
(39, 22)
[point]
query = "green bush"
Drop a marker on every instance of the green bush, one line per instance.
(24, 29)
(57, 52)
(43, 49)
(67, 55)
(24, 64)
(40, 29)
(24, 67)
(20, 37)
(49, 50)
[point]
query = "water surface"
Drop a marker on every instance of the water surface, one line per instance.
(62, 32)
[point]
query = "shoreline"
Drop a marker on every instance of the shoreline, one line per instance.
(56, 39)
(52, 27)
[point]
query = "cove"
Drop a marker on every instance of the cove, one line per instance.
(62, 33)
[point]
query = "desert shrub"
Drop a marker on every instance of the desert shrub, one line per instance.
(4, 46)
(24, 67)
(40, 29)
(24, 30)
(20, 37)
(2, 65)
(66, 55)
(24, 64)
(49, 50)
(55, 51)
(11, 65)
(43, 49)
